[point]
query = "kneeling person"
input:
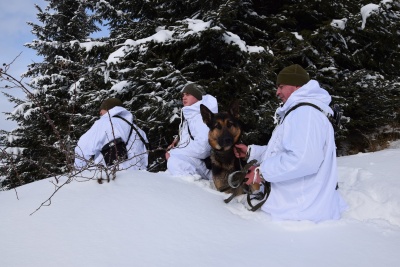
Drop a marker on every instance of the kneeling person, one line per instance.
(115, 123)
(187, 153)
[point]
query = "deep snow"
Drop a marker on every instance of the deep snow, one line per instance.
(153, 219)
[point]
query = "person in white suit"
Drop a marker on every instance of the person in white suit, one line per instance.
(115, 123)
(187, 152)
(300, 158)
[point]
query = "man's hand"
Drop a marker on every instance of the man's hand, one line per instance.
(253, 176)
(172, 145)
(240, 150)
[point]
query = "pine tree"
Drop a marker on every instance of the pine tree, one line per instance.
(45, 118)
(348, 59)
(233, 48)
(153, 68)
(163, 45)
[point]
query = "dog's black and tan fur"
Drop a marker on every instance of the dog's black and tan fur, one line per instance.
(225, 132)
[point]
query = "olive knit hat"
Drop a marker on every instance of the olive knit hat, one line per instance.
(293, 75)
(195, 90)
(110, 103)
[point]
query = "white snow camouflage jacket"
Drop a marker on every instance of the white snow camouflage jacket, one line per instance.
(101, 133)
(186, 158)
(300, 160)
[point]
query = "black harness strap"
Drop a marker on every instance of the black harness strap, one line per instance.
(136, 130)
(190, 134)
(299, 105)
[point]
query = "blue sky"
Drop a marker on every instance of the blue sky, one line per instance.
(14, 33)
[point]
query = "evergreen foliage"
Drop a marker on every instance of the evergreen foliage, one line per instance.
(233, 48)
(45, 135)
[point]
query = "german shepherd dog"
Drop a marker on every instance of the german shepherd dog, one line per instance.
(225, 132)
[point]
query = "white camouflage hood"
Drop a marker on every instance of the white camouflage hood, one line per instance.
(311, 92)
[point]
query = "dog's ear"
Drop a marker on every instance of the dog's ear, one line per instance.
(206, 114)
(234, 110)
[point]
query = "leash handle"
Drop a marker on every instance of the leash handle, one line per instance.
(237, 178)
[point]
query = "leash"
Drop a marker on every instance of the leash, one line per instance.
(236, 181)
(261, 196)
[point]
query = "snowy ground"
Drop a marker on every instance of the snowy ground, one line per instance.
(147, 219)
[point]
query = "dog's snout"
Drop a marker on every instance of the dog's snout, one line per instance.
(228, 141)
(225, 141)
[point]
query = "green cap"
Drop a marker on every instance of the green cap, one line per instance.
(195, 90)
(293, 75)
(110, 103)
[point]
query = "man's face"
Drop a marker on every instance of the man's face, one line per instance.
(284, 91)
(188, 99)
